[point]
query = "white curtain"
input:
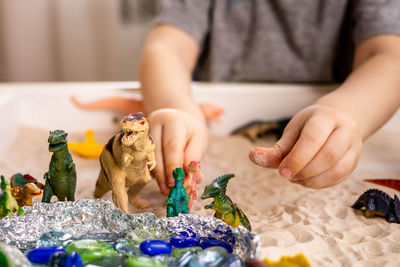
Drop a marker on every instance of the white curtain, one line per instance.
(69, 40)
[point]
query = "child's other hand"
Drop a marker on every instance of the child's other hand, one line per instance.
(179, 138)
(319, 148)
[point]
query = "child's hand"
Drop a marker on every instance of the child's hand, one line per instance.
(179, 138)
(319, 148)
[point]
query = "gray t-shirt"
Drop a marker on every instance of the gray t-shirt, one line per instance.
(279, 40)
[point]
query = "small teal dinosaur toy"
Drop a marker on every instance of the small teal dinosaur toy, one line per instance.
(177, 198)
(8, 204)
(225, 208)
(61, 177)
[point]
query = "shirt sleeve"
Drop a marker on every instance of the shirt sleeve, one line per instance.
(375, 17)
(191, 16)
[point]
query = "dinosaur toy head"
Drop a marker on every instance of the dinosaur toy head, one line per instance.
(179, 174)
(218, 186)
(5, 186)
(134, 127)
(57, 139)
(31, 190)
(194, 166)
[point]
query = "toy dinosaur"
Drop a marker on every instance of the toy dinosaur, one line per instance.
(391, 183)
(25, 194)
(19, 180)
(177, 201)
(377, 202)
(134, 104)
(61, 177)
(88, 148)
(257, 129)
(225, 208)
(193, 176)
(8, 204)
(126, 161)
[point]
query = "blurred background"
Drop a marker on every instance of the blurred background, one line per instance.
(73, 40)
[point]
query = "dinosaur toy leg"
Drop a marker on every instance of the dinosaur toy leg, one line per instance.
(133, 191)
(119, 195)
(47, 192)
(102, 186)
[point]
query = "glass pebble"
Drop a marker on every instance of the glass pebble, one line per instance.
(42, 255)
(128, 246)
(144, 261)
(154, 247)
(110, 238)
(90, 249)
(185, 258)
(140, 235)
(234, 261)
(111, 260)
(54, 238)
(12, 257)
(177, 252)
(210, 257)
(209, 242)
(63, 259)
(184, 242)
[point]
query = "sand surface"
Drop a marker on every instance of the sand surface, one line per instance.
(289, 218)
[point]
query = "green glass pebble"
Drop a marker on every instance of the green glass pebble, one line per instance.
(111, 260)
(90, 249)
(12, 257)
(143, 261)
(177, 252)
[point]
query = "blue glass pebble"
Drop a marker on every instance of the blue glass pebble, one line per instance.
(42, 255)
(208, 242)
(154, 247)
(184, 242)
(63, 259)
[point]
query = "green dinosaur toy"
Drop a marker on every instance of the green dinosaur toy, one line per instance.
(61, 177)
(224, 208)
(177, 198)
(8, 204)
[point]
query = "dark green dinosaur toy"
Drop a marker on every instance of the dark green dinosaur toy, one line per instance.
(61, 177)
(8, 204)
(177, 198)
(224, 208)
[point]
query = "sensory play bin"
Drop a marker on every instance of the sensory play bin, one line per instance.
(355, 223)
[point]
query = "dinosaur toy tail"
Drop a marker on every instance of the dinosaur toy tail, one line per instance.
(391, 183)
(122, 104)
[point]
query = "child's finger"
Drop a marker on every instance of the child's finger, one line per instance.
(313, 135)
(266, 157)
(158, 171)
(272, 157)
(173, 145)
(331, 152)
(337, 173)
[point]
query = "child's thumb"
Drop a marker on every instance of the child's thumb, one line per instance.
(266, 157)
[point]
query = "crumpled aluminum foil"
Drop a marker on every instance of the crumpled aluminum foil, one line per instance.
(88, 216)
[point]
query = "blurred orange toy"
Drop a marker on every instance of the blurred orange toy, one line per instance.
(88, 148)
(288, 261)
(391, 183)
(134, 104)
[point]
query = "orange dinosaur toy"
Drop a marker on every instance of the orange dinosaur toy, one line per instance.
(193, 175)
(134, 104)
(391, 183)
